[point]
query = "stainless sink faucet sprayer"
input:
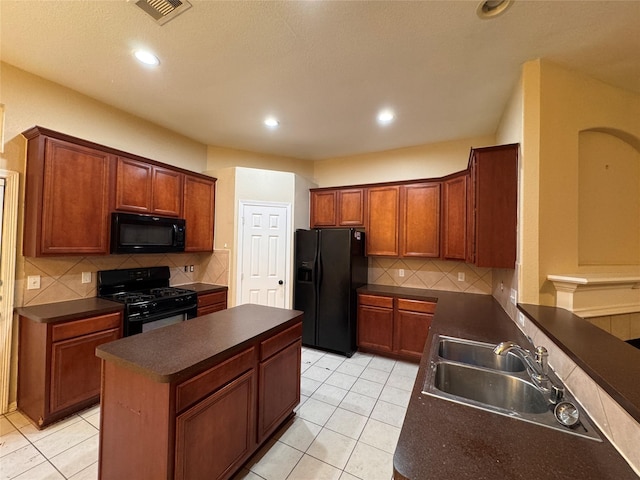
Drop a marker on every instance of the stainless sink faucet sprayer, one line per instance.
(537, 367)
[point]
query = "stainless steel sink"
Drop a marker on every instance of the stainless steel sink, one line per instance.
(464, 372)
(489, 387)
(478, 353)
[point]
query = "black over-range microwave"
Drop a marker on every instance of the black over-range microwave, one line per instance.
(131, 233)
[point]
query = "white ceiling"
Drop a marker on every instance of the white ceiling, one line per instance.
(324, 68)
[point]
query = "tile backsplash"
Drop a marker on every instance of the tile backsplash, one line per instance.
(625, 326)
(432, 274)
(61, 277)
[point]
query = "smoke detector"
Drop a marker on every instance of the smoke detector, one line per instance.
(163, 10)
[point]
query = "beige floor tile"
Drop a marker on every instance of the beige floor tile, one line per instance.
(17, 419)
(276, 461)
(89, 473)
(367, 387)
(370, 463)
(402, 382)
(358, 403)
(332, 448)
(329, 362)
(389, 413)
(380, 435)
(20, 461)
(44, 471)
(12, 441)
(312, 468)
(341, 380)
(351, 369)
(382, 363)
(308, 386)
(245, 474)
(299, 433)
(63, 439)
(347, 423)
(33, 434)
(396, 396)
(318, 374)
(375, 375)
(77, 458)
(316, 411)
(6, 426)
(330, 394)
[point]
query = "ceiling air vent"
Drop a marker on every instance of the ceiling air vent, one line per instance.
(163, 10)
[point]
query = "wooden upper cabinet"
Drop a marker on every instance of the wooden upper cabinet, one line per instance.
(323, 208)
(199, 207)
(149, 189)
(493, 206)
(67, 203)
(420, 220)
(351, 207)
(383, 221)
(337, 208)
(454, 218)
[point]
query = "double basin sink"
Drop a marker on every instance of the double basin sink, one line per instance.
(470, 373)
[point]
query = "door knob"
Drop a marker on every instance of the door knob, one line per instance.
(280, 282)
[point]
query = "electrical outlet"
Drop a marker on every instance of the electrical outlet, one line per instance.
(520, 319)
(401, 272)
(513, 296)
(191, 268)
(33, 282)
(461, 276)
(86, 277)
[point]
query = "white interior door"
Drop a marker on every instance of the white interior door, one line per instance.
(264, 254)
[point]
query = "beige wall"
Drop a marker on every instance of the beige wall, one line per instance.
(570, 103)
(422, 161)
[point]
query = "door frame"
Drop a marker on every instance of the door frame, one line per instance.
(288, 250)
(8, 279)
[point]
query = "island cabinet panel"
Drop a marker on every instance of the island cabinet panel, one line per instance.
(420, 220)
(211, 302)
(383, 221)
(67, 197)
(279, 379)
(395, 326)
(148, 189)
(199, 207)
(375, 322)
(492, 203)
(454, 218)
(214, 437)
(58, 372)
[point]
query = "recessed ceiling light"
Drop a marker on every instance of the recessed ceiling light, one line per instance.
(385, 117)
(146, 57)
(492, 8)
(271, 122)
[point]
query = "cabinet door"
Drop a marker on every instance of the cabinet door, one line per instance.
(134, 185)
(75, 203)
(495, 190)
(75, 369)
(199, 201)
(383, 204)
(217, 434)
(279, 387)
(323, 208)
(411, 331)
(375, 328)
(167, 192)
(351, 207)
(421, 220)
(454, 218)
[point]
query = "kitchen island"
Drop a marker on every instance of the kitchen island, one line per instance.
(445, 440)
(196, 399)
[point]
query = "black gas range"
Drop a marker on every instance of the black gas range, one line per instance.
(149, 301)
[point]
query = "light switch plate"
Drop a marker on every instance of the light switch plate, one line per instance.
(86, 277)
(33, 282)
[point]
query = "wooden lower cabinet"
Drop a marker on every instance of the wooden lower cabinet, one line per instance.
(394, 326)
(58, 371)
(215, 436)
(211, 302)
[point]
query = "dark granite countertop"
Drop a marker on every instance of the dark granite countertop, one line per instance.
(177, 351)
(445, 440)
(411, 293)
(69, 310)
(203, 287)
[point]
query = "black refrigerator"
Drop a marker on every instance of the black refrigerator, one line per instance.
(330, 266)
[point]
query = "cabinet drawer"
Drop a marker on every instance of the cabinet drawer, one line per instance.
(210, 380)
(76, 328)
(376, 301)
(211, 298)
(416, 305)
(279, 341)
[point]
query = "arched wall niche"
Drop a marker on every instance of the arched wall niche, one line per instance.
(608, 197)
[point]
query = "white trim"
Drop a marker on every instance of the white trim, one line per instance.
(8, 279)
(289, 235)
